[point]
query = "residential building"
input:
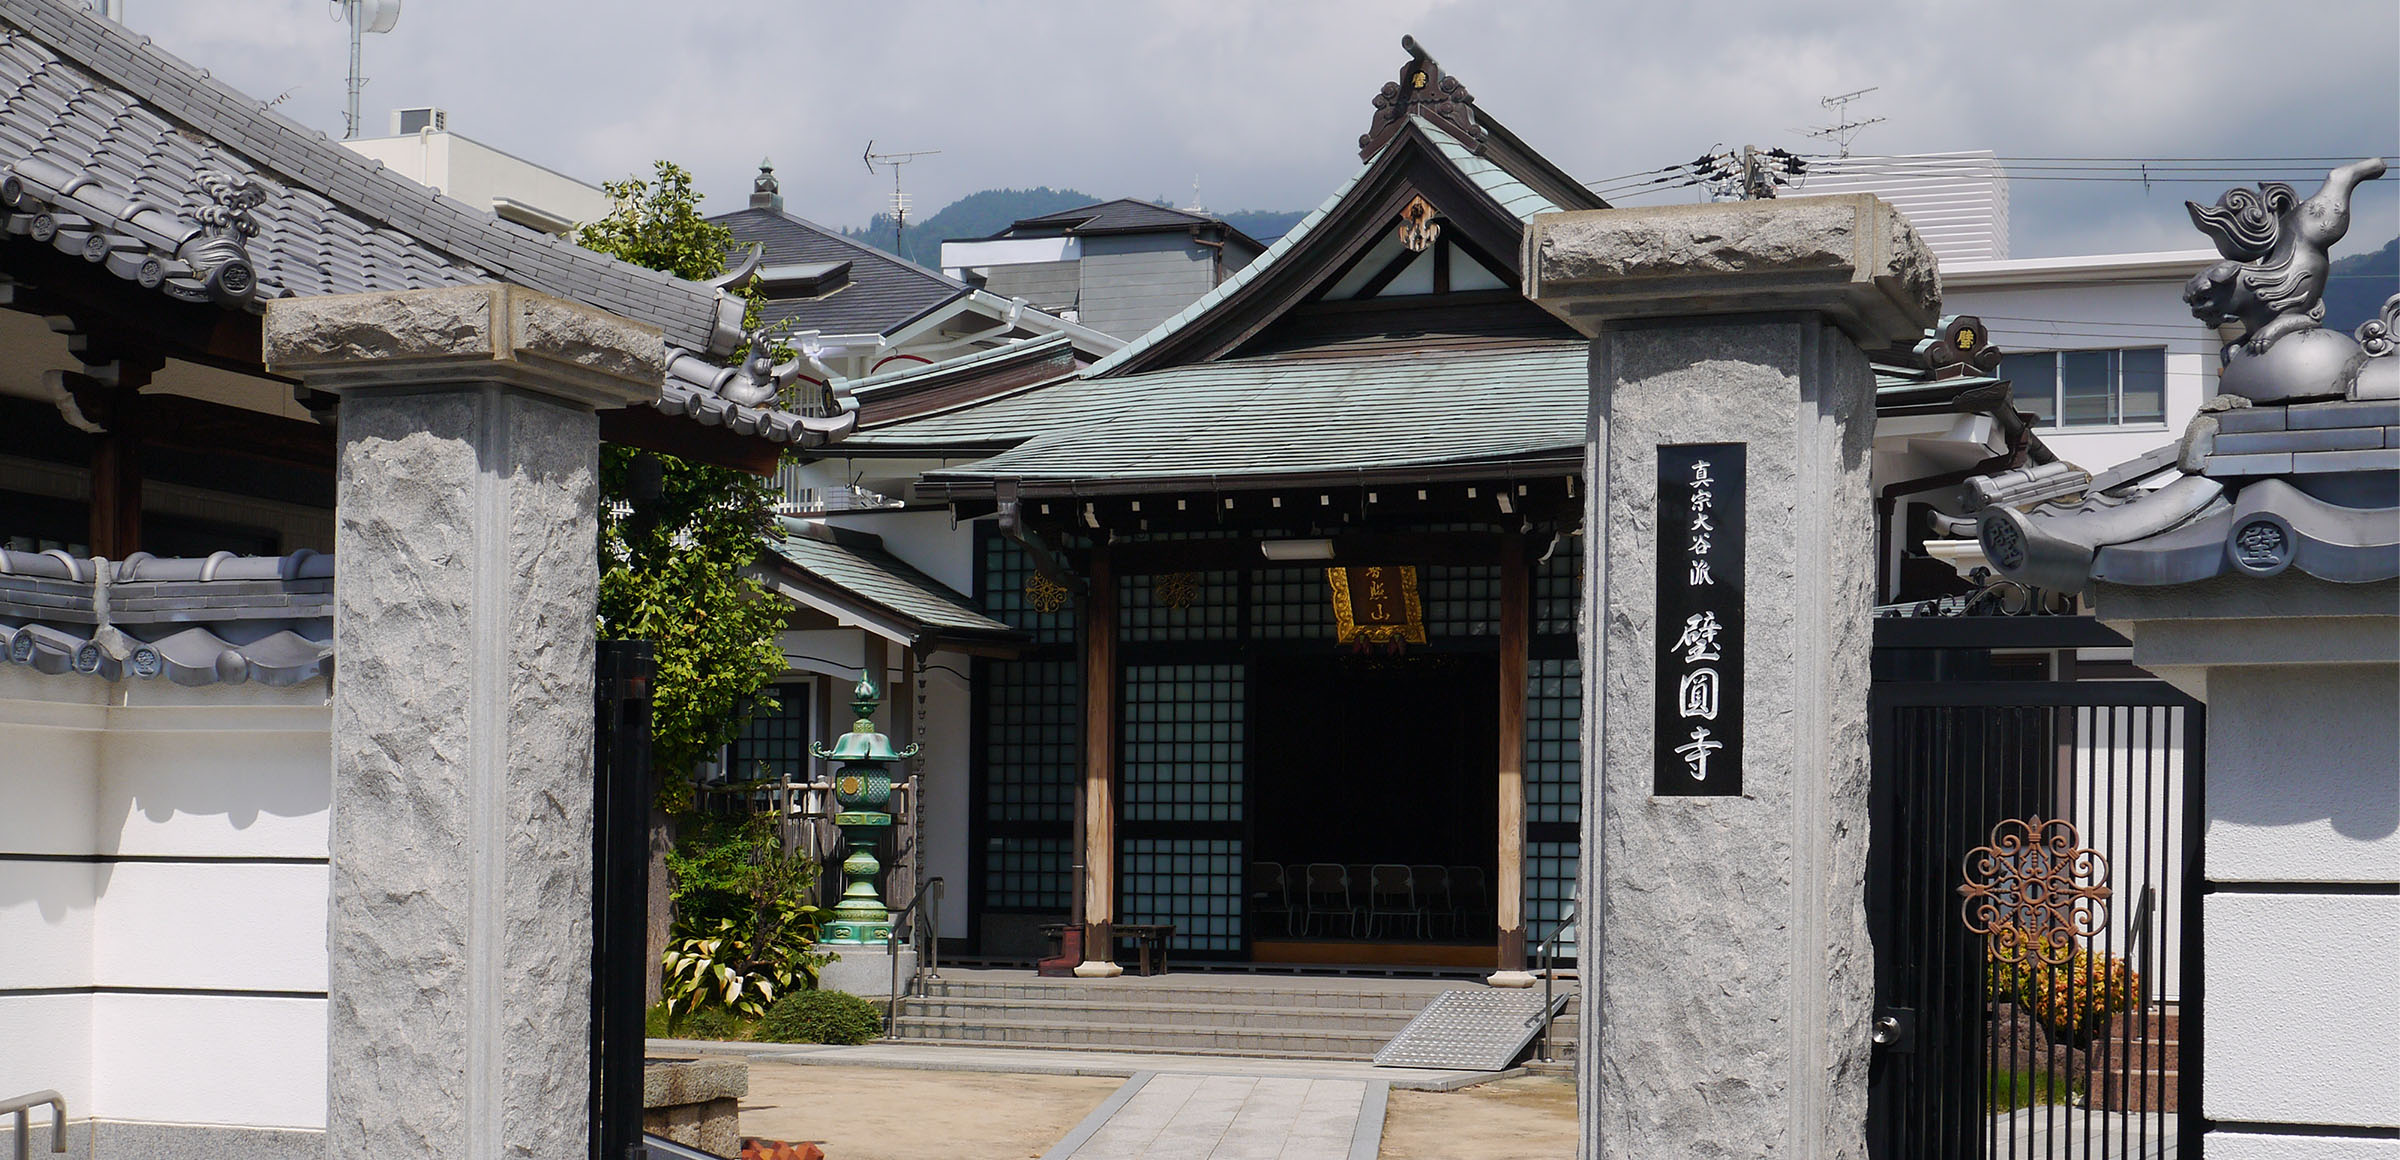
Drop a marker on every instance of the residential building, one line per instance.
(423, 148)
(1120, 267)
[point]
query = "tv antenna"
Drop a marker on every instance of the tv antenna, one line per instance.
(894, 161)
(1844, 130)
(364, 16)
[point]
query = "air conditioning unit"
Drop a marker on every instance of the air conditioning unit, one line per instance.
(407, 121)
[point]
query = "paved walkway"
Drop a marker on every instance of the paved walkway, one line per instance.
(1232, 1117)
(1074, 1061)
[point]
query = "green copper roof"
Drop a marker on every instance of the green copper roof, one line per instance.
(1239, 419)
(852, 572)
(1501, 186)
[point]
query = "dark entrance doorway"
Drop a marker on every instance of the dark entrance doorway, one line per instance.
(1371, 760)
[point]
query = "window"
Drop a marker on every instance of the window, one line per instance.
(775, 745)
(2090, 388)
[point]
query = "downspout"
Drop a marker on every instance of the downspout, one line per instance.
(1012, 525)
(1216, 269)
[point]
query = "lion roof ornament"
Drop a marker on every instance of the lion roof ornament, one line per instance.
(2272, 282)
(2294, 466)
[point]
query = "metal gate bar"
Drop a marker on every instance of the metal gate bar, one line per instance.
(2106, 775)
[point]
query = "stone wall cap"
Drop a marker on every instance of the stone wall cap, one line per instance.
(465, 334)
(673, 1083)
(1852, 258)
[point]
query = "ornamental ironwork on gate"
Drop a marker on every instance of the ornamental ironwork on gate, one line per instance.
(2033, 888)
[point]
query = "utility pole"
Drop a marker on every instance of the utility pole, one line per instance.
(1752, 175)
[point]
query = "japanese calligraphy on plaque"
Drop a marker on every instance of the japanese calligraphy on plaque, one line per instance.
(1376, 605)
(1699, 630)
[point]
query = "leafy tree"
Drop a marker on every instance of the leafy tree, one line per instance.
(674, 537)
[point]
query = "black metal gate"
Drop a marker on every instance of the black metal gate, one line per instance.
(2034, 892)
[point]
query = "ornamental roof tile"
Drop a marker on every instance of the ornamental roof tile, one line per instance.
(223, 619)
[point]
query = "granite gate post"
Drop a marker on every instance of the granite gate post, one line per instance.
(1727, 976)
(466, 491)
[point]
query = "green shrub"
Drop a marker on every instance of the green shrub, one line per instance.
(659, 1022)
(2071, 998)
(744, 931)
(822, 1017)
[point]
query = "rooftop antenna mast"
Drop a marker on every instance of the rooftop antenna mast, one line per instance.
(1844, 130)
(364, 16)
(894, 161)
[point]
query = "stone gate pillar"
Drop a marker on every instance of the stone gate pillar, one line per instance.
(1727, 976)
(465, 591)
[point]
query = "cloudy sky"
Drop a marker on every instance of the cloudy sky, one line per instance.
(1262, 100)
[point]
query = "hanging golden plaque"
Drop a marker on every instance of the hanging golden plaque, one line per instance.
(1376, 605)
(2036, 889)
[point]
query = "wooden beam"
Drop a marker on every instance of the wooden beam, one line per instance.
(1099, 766)
(1515, 625)
(651, 429)
(200, 426)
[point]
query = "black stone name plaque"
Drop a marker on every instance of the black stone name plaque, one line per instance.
(1698, 741)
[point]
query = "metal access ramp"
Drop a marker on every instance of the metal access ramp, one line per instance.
(1484, 1029)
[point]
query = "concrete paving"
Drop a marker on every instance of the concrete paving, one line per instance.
(1043, 1061)
(1231, 1117)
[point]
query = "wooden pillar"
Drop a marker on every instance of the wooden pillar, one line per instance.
(115, 527)
(1515, 617)
(1099, 811)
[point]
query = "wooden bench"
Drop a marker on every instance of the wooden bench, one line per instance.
(1149, 939)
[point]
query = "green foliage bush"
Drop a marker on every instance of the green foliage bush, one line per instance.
(706, 1023)
(744, 934)
(822, 1017)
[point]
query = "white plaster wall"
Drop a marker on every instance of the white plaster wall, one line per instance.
(209, 1060)
(2303, 1009)
(926, 540)
(189, 783)
(2304, 774)
(2247, 1146)
(46, 922)
(234, 926)
(46, 1042)
(944, 767)
(2102, 315)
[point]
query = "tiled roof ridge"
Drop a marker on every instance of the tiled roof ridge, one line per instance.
(195, 621)
(836, 236)
(142, 567)
(691, 314)
(1027, 348)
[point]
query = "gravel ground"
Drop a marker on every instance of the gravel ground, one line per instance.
(872, 1113)
(1527, 1118)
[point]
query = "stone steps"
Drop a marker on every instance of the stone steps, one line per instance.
(1279, 1016)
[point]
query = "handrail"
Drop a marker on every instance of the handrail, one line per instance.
(1546, 953)
(22, 1107)
(928, 896)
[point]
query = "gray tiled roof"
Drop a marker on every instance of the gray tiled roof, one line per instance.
(1121, 216)
(2255, 491)
(223, 619)
(108, 144)
(855, 569)
(883, 293)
